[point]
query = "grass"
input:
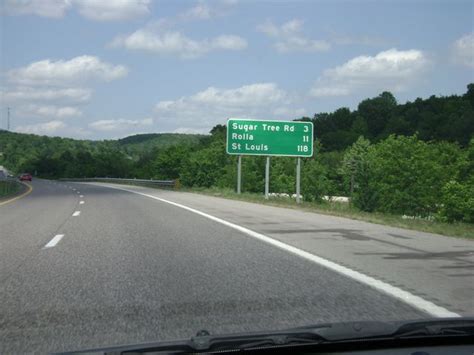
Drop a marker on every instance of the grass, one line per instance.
(8, 188)
(460, 230)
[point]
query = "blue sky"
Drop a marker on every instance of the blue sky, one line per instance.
(99, 69)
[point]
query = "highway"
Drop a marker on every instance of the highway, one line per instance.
(89, 265)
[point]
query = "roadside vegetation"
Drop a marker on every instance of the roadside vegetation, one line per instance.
(9, 188)
(414, 160)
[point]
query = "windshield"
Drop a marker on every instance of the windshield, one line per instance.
(233, 166)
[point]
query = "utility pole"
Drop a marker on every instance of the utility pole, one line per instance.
(8, 118)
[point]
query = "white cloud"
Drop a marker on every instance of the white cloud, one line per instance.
(120, 124)
(289, 112)
(28, 94)
(288, 37)
(201, 11)
(54, 128)
(65, 72)
(205, 10)
(42, 128)
(250, 95)
(388, 70)
(49, 111)
(44, 8)
(463, 50)
(228, 42)
(201, 111)
(47, 89)
(98, 10)
(323, 91)
(112, 10)
(175, 43)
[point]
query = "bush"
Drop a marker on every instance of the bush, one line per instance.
(402, 175)
(314, 180)
(457, 202)
(406, 175)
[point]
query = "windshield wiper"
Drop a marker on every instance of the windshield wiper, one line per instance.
(205, 341)
(317, 335)
(451, 327)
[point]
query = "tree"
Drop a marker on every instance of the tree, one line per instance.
(377, 112)
(314, 181)
(205, 166)
(457, 202)
(169, 162)
(355, 161)
(407, 175)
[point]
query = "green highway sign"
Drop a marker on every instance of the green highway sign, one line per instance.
(275, 138)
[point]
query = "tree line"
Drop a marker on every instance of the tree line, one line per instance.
(415, 158)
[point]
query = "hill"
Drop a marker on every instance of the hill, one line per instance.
(61, 157)
(150, 141)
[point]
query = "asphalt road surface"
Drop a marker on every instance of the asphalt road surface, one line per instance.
(90, 265)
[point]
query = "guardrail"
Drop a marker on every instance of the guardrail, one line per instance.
(170, 184)
(9, 186)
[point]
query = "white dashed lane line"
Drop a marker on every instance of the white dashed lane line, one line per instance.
(54, 241)
(81, 196)
(57, 238)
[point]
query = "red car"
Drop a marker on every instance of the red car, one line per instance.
(26, 177)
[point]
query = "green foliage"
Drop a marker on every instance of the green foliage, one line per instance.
(437, 118)
(8, 188)
(54, 157)
(332, 161)
(282, 175)
(354, 161)
(457, 202)
(169, 163)
(140, 143)
(314, 181)
(206, 166)
(253, 174)
(402, 175)
(405, 176)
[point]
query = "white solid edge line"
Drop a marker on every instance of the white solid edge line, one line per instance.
(405, 296)
(54, 241)
(77, 213)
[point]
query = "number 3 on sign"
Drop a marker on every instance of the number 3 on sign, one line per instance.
(306, 129)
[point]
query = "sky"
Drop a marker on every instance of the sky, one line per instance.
(100, 69)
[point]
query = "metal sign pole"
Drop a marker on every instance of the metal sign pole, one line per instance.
(239, 174)
(267, 177)
(298, 178)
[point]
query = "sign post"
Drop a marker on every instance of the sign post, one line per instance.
(239, 174)
(270, 138)
(298, 177)
(267, 178)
